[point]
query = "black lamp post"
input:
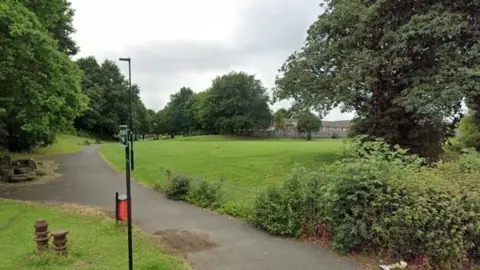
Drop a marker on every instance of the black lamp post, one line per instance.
(131, 112)
(129, 162)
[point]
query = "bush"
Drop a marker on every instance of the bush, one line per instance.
(205, 194)
(281, 210)
(179, 188)
(380, 199)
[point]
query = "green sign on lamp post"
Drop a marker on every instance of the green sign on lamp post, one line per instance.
(124, 135)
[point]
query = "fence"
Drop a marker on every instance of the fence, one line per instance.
(296, 134)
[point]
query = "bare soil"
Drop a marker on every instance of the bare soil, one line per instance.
(184, 241)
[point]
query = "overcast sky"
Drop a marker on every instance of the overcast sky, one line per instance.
(188, 43)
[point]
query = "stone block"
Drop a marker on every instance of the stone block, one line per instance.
(23, 170)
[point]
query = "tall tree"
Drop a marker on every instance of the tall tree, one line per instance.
(109, 100)
(178, 116)
(308, 123)
(195, 112)
(40, 87)
(279, 117)
(160, 124)
(237, 102)
(402, 66)
(92, 87)
(57, 17)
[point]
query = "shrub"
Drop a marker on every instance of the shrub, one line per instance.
(380, 199)
(205, 194)
(281, 210)
(178, 188)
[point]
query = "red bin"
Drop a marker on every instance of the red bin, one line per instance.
(121, 207)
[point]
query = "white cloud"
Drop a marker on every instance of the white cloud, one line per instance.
(188, 43)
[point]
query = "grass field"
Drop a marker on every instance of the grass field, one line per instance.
(65, 144)
(94, 241)
(246, 166)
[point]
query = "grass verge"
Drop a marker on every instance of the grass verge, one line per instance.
(245, 167)
(65, 144)
(94, 241)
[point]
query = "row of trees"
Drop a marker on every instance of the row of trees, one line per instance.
(109, 96)
(44, 92)
(404, 67)
(235, 103)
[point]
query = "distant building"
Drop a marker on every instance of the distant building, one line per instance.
(330, 126)
(336, 126)
(328, 129)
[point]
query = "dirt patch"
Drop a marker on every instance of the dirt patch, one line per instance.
(49, 167)
(78, 209)
(68, 207)
(184, 241)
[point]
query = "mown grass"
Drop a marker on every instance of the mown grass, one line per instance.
(94, 241)
(245, 166)
(65, 144)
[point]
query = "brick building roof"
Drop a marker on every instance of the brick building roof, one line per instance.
(341, 123)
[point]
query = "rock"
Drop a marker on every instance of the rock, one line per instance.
(23, 170)
(26, 163)
(6, 160)
(31, 176)
(32, 164)
(40, 172)
(7, 172)
(18, 178)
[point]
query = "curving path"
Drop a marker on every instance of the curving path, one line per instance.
(222, 242)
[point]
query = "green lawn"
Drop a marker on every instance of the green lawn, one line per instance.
(247, 166)
(94, 241)
(65, 144)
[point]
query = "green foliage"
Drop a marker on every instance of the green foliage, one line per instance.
(41, 91)
(109, 95)
(57, 17)
(281, 210)
(279, 118)
(469, 131)
(308, 123)
(205, 194)
(177, 114)
(179, 188)
(391, 63)
(380, 199)
(236, 102)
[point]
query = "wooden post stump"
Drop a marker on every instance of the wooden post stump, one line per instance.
(60, 241)
(41, 235)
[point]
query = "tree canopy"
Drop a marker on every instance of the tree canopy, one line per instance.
(109, 95)
(57, 17)
(40, 86)
(308, 123)
(235, 103)
(402, 66)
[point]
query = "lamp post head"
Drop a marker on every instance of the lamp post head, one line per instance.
(125, 59)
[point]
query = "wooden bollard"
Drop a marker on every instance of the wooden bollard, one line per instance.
(60, 241)
(41, 235)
